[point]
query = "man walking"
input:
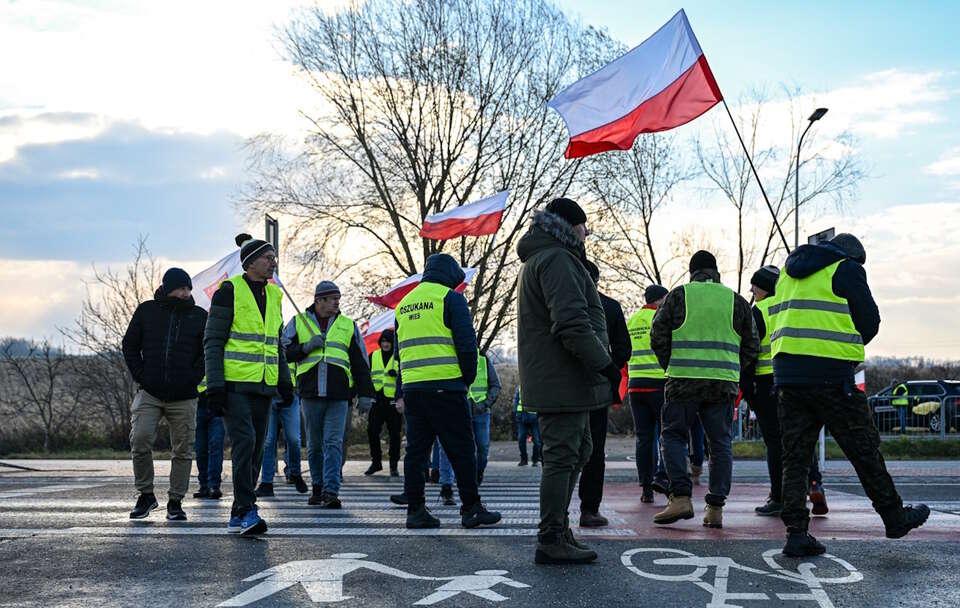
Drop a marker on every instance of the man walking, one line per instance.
(646, 380)
(330, 356)
(761, 395)
(703, 335)
(591, 480)
(482, 395)
(526, 426)
(383, 371)
(246, 370)
(565, 366)
(437, 350)
(163, 349)
(820, 319)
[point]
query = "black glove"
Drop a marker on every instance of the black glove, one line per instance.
(286, 396)
(612, 374)
(217, 401)
(392, 373)
(315, 343)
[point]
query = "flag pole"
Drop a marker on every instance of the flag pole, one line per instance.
(757, 176)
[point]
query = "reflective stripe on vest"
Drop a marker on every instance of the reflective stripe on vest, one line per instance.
(643, 362)
(479, 388)
(765, 359)
(807, 318)
(382, 381)
(426, 344)
(706, 346)
(336, 348)
(251, 353)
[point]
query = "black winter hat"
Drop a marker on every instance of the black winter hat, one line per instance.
(593, 270)
(387, 336)
(175, 278)
(653, 293)
(766, 278)
(851, 245)
(703, 260)
(570, 211)
(250, 248)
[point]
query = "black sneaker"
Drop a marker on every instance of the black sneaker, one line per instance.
(329, 500)
(203, 492)
(265, 489)
(913, 517)
(770, 509)
(477, 515)
(446, 495)
(394, 471)
(145, 504)
(647, 495)
(175, 511)
(801, 544)
(661, 485)
(479, 477)
(420, 518)
(435, 476)
(317, 497)
(522, 463)
(300, 484)
(374, 467)
(819, 498)
(215, 494)
(400, 499)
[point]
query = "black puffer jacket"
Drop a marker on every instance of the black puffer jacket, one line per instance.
(163, 347)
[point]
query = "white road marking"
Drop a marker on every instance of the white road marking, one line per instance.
(45, 490)
(178, 530)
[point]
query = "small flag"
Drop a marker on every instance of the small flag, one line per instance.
(398, 291)
(860, 379)
(474, 219)
(206, 282)
(661, 84)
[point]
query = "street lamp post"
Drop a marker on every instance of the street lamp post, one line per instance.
(817, 115)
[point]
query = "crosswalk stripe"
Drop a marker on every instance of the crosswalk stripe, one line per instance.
(177, 530)
(447, 517)
(44, 490)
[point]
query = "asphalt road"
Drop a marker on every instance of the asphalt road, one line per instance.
(65, 540)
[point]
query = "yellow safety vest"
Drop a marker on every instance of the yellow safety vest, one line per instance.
(336, 349)
(900, 398)
(382, 381)
(519, 401)
(643, 362)
(706, 346)
(479, 388)
(202, 387)
(252, 350)
(765, 359)
(426, 344)
(807, 318)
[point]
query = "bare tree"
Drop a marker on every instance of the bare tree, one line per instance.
(105, 313)
(423, 107)
(38, 387)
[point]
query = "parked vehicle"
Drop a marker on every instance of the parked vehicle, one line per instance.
(921, 411)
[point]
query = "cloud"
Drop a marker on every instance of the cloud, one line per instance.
(949, 164)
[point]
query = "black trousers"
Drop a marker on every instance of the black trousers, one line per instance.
(764, 404)
(433, 414)
(646, 408)
(246, 420)
(591, 479)
(804, 410)
(382, 413)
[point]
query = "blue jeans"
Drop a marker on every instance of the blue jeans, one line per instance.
(209, 448)
(481, 435)
(326, 420)
(527, 425)
(289, 417)
(443, 464)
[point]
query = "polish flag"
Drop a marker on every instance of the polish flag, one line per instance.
(206, 282)
(474, 219)
(398, 291)
(860, 379)
(373, 328)
(661, 84)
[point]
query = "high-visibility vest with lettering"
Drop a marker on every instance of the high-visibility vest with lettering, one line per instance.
(382, 380)
(426, 344)
(900, 398)
(807, 318)
(336, 348)
(765, 359)
(479, 388)
(643, 362)
(252, 350)
(706, 346)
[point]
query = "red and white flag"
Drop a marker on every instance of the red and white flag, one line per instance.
(860, 379)
(398, 291)
(206, 282)
(473, 219)
(372, 329)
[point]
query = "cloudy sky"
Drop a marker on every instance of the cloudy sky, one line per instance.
(126, 118)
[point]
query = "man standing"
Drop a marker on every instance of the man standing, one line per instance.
(565, 365)
(821, 317)
(526, 425)
(383, 371)
(331, 357)
(482, 395)
(645, 390)
(246, 370)
(761, 395)
(591, 481)
(437, 350)
(163, 349)
(289, 419)
(209, 447)
(703, 335)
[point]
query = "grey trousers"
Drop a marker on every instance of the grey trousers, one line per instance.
(145, 415)
(717, 417)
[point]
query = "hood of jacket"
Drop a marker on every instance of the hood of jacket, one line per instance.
(443, 269)
(705, 275)
(549, 230)
(172, 302)
(808, 259)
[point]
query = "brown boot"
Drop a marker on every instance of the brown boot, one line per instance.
(714, 517)
(589, 519)
(678, 507)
